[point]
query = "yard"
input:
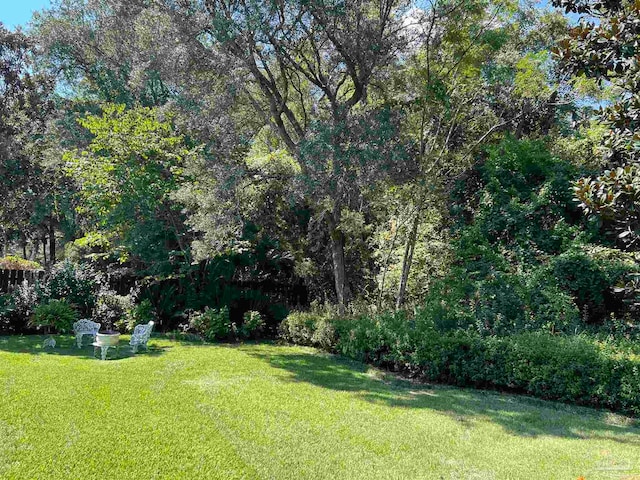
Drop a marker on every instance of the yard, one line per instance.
(267, 411)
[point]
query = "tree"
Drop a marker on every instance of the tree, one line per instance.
(478, 69)
(126, 53)
(310, 66)
(606, 50)
(125, 178)
(95, 48)
(25, 107)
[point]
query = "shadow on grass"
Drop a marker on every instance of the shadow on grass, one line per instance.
(66, 346)
(520, 415)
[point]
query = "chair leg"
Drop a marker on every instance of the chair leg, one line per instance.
(134, 347)
(79, 340)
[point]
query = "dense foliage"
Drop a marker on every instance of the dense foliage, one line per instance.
(56, 314)
(605, 50)
(212, 324)
(524, 257)
(125, 177)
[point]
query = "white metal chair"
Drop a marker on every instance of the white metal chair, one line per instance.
(85, 327)
(141, 336)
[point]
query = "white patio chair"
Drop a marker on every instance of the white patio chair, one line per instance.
(85, 327)
(141, 336)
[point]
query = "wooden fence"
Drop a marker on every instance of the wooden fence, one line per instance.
(9, 279)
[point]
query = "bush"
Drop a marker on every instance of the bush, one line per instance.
(136, 314)
(17, 308)
(549, 308)
(76, 283)
(111, 309)
(573, 369)
(500, 304)
(7, 318)
(212, 324)
(252, 325)
(11, 262)
(299, 328)
(56, 314)
(590, 275)
(577, 369)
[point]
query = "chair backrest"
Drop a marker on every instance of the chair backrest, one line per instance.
(143, 332)
(86, 325)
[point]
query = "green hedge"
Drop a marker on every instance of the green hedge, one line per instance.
(576, 369)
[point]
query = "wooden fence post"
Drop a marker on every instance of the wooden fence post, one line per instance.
(9, 279)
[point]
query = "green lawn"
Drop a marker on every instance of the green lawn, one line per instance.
(266, 411)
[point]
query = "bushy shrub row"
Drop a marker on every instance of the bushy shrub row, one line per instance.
(576, 369)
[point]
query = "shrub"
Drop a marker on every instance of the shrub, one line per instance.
(573, 369)
(136, 314)
(57, 314)
(212, 324)
(76, 283)
(11, 262)
(306, 328)
(577, 369)
(549, 307)
(111, 309)
(17, 308)
(324, 335)
(500, 304)
(7, 319)
(299, 328)
(252, 325)
(590, 277)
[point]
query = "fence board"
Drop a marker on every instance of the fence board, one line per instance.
(9, 279)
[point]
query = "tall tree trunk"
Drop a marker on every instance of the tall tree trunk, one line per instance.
(386, 266)
(52, 242)
(408, 260)
(35, 250)
(339, 268)
(339, 271)
(44, 248)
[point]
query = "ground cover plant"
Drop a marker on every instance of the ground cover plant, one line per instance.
(193, 410)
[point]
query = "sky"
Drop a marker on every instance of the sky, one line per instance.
(18, 12)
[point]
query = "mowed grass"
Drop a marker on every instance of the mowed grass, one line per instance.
(268, 411)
